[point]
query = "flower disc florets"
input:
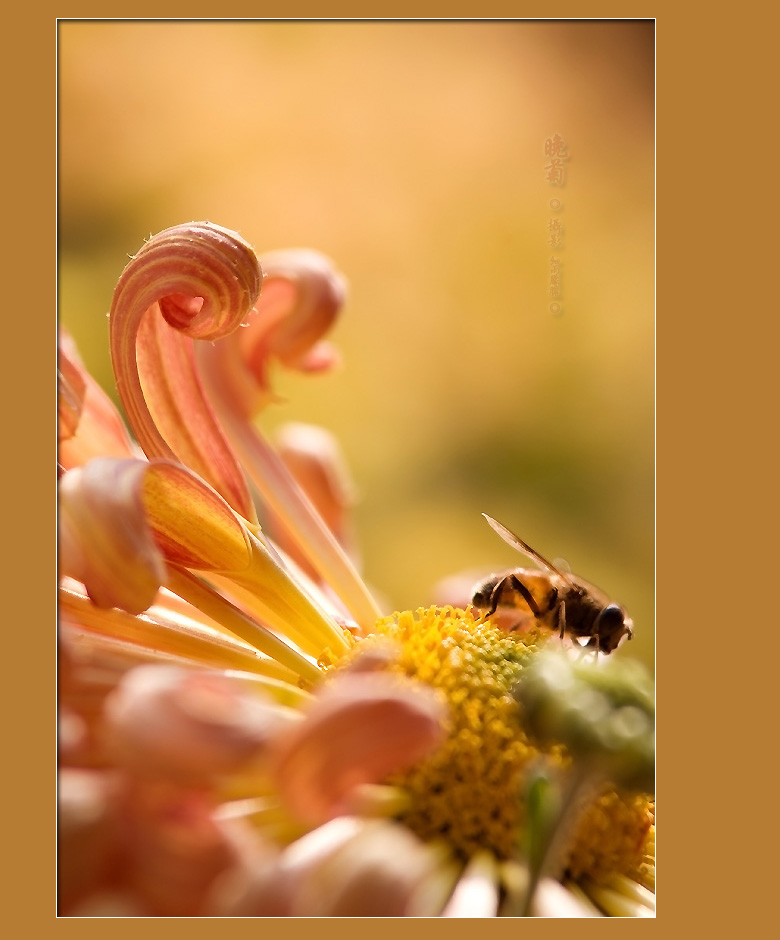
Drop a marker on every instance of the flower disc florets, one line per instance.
(469, 792)
(466, 792)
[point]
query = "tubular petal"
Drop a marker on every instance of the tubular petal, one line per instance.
(359, 729)
(312, 456)
(301, 296)
(377, 873)
(283, 603)
(192, 524)
(551, 899)
(477, 892)
(616, 904)
(195, 528)
(203, 280)
(214, 605)
(168, 632)
(288, 501)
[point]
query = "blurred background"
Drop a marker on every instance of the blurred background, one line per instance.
(413, 154)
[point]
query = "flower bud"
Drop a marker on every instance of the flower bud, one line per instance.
(603, 713)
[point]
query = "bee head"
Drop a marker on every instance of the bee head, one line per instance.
(483, 590)
(611, 626)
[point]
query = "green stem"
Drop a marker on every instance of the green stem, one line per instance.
(559, 828)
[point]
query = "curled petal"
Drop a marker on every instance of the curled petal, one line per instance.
(105, 540)
(90, 425)
(322, 357)
(359, 729)
(190, 725)
(195, 281)
(301, 298)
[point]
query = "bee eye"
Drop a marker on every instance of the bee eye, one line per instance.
(611, 617)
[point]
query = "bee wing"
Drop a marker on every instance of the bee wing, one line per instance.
(511, 539)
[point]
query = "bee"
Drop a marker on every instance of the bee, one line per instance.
(556, 599)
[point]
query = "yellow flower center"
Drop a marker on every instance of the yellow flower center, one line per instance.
(469, 791)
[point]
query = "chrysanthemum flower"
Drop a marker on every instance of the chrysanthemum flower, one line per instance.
(242, 732)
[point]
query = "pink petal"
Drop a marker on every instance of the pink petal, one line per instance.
(361, 728)
(302, 296)
(104, 538)
(185, 724)
(174, 850)
(98, 430)
(71, 389)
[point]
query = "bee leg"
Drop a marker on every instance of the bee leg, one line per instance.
(593, 643)
(495, 596)
(562, 619)
(517, 584)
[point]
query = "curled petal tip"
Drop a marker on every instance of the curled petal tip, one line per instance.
(205, 277)
(301, 297)
(304, 296)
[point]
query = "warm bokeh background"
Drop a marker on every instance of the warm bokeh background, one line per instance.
(413, 155)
